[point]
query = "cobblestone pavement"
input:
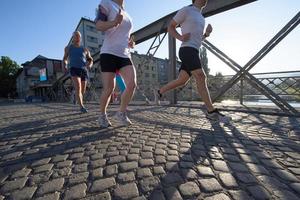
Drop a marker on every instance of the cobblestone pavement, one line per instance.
(50, 151)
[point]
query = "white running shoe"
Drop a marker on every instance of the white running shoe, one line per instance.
(122, 118)
(103, 121)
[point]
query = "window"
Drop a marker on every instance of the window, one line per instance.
(153, 76)
(91, 28)
(92, 39)
(146, 74)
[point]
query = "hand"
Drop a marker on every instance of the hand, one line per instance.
(208, 30)
(131, 42)
(119, 18)
(185, 37)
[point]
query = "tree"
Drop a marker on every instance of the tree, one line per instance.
(204, 60)
(8, 74)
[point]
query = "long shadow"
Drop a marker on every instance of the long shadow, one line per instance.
(206, 147)
(27, 128)
(49, 151)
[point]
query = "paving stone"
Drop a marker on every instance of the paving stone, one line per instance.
(43, 168)
(128, 166)
(111, 170)
(97, 163)
(25, 193)
(147, 155)
(271, 163)
(13, 155)
(189, 174)
(221, 196)
(102, 196)
(59, 158)
(210, 185)
(172, 179)
(172, 193)
(97, 156)
(103, 184)
(172, 166)
(63, 164)
(143, 172)
(220, 166)
(116, 159)
(239, 194)
(285, 194)
(10, 186)
(76, 192)
(228, 180)
(36, 179)
(64, 172)
(40, 162)
(157, 195)
(160, 152)
(53, 196)
(272, 183)
(258, 169)
(150, 183)
(51, 186)
(133, 157)
(172, 158)
(237, 167)
(295, 171)
(126, 177)
(258, 192)
(78, 178)
(158, 170)
(80, 168)
(186, 165)
(245, 178)
(189, 189)
(146, 162)
(205, 171)
(76, 155)
(82, 160)
(296, 187)
(97, 173)
(160, 160)
(126, 191)
(285, 175)
(21, 173)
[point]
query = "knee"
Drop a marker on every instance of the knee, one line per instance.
(108, 90)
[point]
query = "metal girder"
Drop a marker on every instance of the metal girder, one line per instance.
(160, 26)
(250, 78)
(292, 24)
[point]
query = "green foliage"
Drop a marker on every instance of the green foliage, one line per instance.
(8, 74)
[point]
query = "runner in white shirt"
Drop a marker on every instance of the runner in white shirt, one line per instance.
(115, 55)
(192, 25)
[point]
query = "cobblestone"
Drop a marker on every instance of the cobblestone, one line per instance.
(53, 153)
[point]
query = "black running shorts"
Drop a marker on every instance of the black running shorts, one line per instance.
(190, 59)
(111, 63)
(79, 72)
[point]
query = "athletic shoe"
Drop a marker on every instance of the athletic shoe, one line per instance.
(83, 110)
(122, 118)
(103, 121)
(157, 97)
(215, 115)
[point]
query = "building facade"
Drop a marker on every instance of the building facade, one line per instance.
(37, 76)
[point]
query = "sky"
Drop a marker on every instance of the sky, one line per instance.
(44, 27)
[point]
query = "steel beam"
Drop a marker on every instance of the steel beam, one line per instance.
(172, 68)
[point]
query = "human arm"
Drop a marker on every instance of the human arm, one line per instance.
(102, 23)
(89, 59)
(65, 59)
(172, 30)
(207, 31)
